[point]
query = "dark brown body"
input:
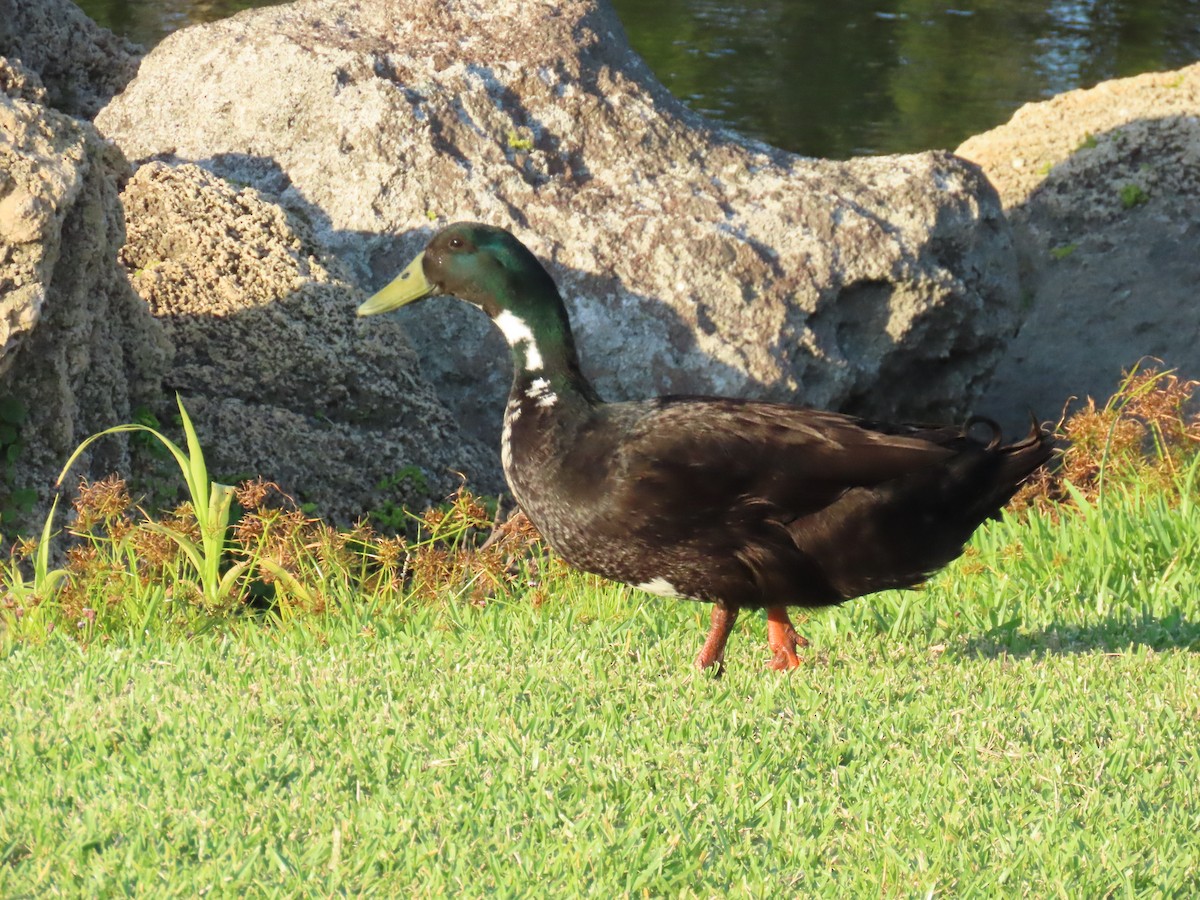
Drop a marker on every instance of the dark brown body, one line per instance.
(754, 505)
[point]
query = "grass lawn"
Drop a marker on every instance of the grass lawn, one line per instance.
(1027, 725)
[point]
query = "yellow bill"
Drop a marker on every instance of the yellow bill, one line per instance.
(406, 287)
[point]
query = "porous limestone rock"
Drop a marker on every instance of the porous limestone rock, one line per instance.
(691, 259)
(19, 82)
(282, 379)
(78, 349)
(1102, 187)
(80, 64)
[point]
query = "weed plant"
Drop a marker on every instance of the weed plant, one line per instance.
(250, 549)
(247, 549)
(1145, 438)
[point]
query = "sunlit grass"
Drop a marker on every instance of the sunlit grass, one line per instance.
(440, 718)
(1014, 727)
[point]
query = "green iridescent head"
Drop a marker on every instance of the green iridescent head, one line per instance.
(481, 264)
(489, 268)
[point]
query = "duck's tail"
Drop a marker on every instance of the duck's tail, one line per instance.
(1015, 463)
(914, 525)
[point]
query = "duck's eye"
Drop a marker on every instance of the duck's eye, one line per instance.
(456, 243)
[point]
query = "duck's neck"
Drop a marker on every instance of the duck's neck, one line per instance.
(545, 362)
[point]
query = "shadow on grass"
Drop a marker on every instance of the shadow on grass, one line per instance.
(1116, 634)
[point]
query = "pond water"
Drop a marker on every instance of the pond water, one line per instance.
(839, 78)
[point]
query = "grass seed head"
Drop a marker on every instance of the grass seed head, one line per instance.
(252, 495)
(24, 548)
(1145, 434)
(99, 502)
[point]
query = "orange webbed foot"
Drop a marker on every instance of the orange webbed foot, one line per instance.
(782, 639)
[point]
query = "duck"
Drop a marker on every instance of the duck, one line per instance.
(739, 503)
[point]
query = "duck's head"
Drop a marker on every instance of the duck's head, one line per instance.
(489, 268)
(481, 264)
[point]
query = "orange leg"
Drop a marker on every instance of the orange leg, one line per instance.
(713, 651)
(782, 639)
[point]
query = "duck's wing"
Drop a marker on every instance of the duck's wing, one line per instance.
(709, 452)
(828, 505)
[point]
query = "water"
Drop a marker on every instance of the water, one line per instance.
(839, 78)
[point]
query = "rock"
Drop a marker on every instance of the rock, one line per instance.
(78, 349)
(1104, 209)
(80, 64)
(255, 328)
(281, 378)
(692, 259)
(20, 83)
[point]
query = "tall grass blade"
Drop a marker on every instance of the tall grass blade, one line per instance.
(44, 580)
(197, 470)
(180, 458)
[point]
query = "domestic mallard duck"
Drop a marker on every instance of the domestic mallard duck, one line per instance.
(743, 504)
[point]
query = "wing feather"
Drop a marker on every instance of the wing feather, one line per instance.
(710, 453)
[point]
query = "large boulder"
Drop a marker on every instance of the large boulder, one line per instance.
(1102, 187)
(282, 379)
(234, 308)
(78, 349)
(692, 259)
(80, 64)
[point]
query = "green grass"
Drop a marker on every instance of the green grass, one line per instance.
(1029, 725)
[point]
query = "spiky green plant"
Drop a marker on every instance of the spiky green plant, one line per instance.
(211, 504)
